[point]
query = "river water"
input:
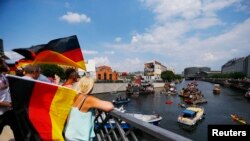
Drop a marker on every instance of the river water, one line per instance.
(217, 110)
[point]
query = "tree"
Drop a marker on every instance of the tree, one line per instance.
(167, 76)
(50, 70)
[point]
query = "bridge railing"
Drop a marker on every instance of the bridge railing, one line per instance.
(110, 127)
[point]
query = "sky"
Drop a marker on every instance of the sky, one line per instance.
(125, 34)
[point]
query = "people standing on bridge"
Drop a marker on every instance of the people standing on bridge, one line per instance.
(7, 115)
(71, 78)
(80, 124)
(32, 71)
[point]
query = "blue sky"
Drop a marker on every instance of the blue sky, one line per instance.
(125, 34)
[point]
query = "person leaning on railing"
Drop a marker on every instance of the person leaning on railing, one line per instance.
(80, 124)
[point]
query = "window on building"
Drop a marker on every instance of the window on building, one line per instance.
(110, 76)
(99, 76)
(105, 76)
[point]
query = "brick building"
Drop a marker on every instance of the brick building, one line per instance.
(106, 73)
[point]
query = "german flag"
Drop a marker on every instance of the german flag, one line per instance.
(12, 67)
(41, 108)
(65, 51)
(29, 53)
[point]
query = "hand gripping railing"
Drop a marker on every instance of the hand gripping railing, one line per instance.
(110, 127)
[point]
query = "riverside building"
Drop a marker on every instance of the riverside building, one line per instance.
(153, 70)
(106, 73)
(195, 72)
(237, 65)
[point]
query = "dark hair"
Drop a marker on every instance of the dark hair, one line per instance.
(70, 72)
(3, 66)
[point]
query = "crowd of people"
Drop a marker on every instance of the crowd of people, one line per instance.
(80, 122)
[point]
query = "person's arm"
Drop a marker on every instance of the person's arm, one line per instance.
(5, 104)
(100, 104)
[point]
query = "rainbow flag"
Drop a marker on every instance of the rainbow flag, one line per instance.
(41, 108)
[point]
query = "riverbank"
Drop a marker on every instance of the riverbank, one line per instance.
(115, 87)
(232, 83)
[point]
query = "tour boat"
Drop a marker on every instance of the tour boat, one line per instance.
(238, 119)
(216, 89)
(191, 115)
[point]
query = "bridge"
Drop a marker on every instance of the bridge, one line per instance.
(115, 132)
(25, 91)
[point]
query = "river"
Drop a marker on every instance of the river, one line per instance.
(217, 110)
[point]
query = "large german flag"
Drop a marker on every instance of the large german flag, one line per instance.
(64, 51)
(41, 108)
(29, 53)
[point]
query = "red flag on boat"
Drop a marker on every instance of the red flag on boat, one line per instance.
(41, 112)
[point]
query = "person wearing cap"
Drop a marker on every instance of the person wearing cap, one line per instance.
(80, 123)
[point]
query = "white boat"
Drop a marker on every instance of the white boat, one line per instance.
(152, 119)
(216, 89)
(191, 115)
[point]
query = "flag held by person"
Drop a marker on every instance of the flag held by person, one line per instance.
(42, 108)
(64, 51)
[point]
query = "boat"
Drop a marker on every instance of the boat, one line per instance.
(247, 94)
(169, 89)
(191, 115)
(169, 102)
(182, 105)
(152, 119)
(216, 89)
(235, 117)
(120, 100)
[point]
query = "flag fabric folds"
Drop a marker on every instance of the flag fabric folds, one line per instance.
(41, 108)
(29, 53)
(65, 51)
(68, 47)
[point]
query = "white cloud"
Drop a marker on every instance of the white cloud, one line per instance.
(128, 65)
(109, 52)
(13, 56)
(169, 37)
(89, 52)
(71, 17)
(100, 61)
(118, 39)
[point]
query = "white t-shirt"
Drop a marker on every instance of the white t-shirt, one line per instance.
(4, 93)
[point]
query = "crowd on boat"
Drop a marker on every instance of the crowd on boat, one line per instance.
(140, 86)
(192, 95)
(169, 88)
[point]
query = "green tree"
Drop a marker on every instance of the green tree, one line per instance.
(167, 76)
(50, 70)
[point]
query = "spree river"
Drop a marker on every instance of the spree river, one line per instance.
(217, 109)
